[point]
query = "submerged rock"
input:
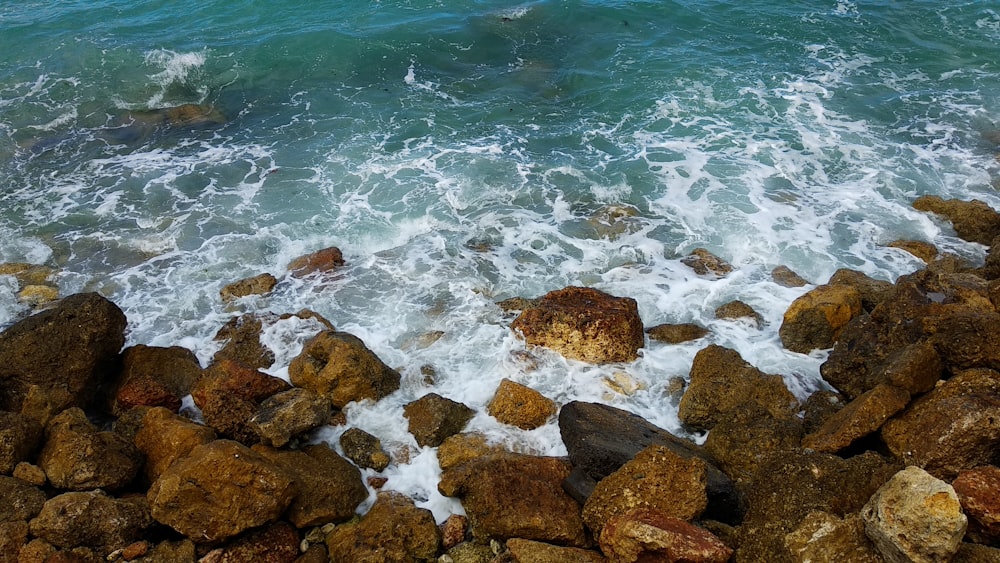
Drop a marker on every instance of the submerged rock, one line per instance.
(393, 530)
(784, 276)
(521, 406)
(704, 263)
(325, 260)
(339, 366)
(922, 250)
(242, 336)
(736, 310)
(676, 333)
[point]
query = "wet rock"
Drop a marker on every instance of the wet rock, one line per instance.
(991, 268)
(651, 535)
(722, 381)
(979, 492)
(13, 536)
(819, 407)
(825, 537)
(517, 304)
(393, 530)
(815, 319)
(339, 366)
(584, 324)
(784, 276)
(914, 368)
(274, 543)
(27, 274)
(735, 310)
(325, 260)
(242, 336)
(38, 295)
(19, 437)
(859, 418)
(76, 456)
(528, 551)
(316, 553)
(612, 221)
(229, 396)
(21, 501)
(704, 263)
(92, 519)
(745, 437)
(453, 530)
(619, 382)
(974, 221)
(155, 377)
(954, 427)
(521, 406)
(915, 518)
(676, 333)
(923, 250)
(460, 448)
(968, 340)
(516, 496)
(288, 414)
(656, 478)
(221, 489)
(261, 284)
(872, 291)
(364, 449)
(432, 418)
(67, 351)
(165, 437)
(328, 488)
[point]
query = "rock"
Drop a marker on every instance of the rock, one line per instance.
(67, 351)
(322, 261)
(21, 501)
(165, 437)
(972, 553)
(824, 537)
(242, 336)
(91, 519)
(784, 276)
(13, 536)
(471, 552)
(517, 304)
(516, 496)
(914, 368)
(261, 284)
(155, 377)
(316, 553)
(453, 530)
(922, 250)
(819, 407)
(229, 396)
(600, 439)
(328, 488)
(394, 530)
(915, 518)
(364, 449)
(745, 437)
(652, 535)
(584, 324)
(170, 552)
(27, 274)
(704, 263)
(815, 319)
(619, 382)
(528, 551)
(974, 221)
(968, 340)
(221, 489)
(288, 414)
(460, 448)
(31, 474)
(76, 456)
(432, 418)
(722, 381)
(612, 221)
(859, 418)
(19, 438)
(37, 295)
(521, 406)
(872, 291)
(676, 333)
(339, 366)
(954, 427)
(274, 543)
(736, 310)
(978, 491)
(656, 478)
(36, 550)
(991, 267)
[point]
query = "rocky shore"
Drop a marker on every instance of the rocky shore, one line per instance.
(101, 459)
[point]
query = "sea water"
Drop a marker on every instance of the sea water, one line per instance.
(461, 153)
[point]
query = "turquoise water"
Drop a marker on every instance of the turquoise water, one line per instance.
(461, 153)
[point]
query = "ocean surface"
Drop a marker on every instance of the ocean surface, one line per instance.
(461, 153)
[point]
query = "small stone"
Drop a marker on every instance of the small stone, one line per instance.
(432, 418)
(704, 263)
(453, 530)
(676, 333)
(35, 295)
(30, 474)
(257, 285)
(135, 550)
(322, 261)
(364, 449)
(624, 384)
(521, 406)
(784, 276)
(377, 482)
(736, 310)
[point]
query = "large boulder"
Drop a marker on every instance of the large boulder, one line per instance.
(69, 351)
(339, 366)
(78, 457)
(19, 440)
(859, 418)
(816, 318)
(432, 418)
(155, 377)
(165, 437)
(221, 489)
(825, 537)
(584, 324)
(641, 535)
(393, 530)
(288, 414)
(974, 221)
(92, 519)
(520, 405)
(979, 492)
(915, 518)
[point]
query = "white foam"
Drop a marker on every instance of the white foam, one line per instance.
(176, 68)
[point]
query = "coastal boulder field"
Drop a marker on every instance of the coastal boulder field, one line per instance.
(103, 458)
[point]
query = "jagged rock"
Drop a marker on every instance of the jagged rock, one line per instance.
(154, 377)
(974, 221)
(92, 519)
(221, 489)
(979, 492)
(339, 366)
(722, 381)
(528, 551)
(619, 382)
(915, 518)
(453, 530)
(521, 406)
(824, 537)
(954, 427)
(242, 336)
(676, 333)
(36, 550)
(274, 543)
(13, 536)
(19, 437)
(914, 368)
(393, 530)
(460, 448)
(744, 437)
(966, 341)
(704, 263)
(736, 310)
(784, 276)
(165, 437)
(229, 396)
(872, 291)
(612, 221)
(432, 418)
(516, 496)
(820, 406)
(261, 284)
(327, 487)
(21, 501)
(67, 352)
(584, 324)
(76, 456)
(288, 414)
(325, 260)
(991, 268)
(815, 319)
(859, 418)
(923, 250)
(651, 535)
(364, 449)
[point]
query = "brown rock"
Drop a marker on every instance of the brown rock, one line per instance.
(364, 449)
(516, 496)
(915, 368)
(739, 310)
(165, 437)
(135, 550)
(584, 324)
(453, 530)
(923, 250)
(78, 457)
(974, 221)
(517, 304)
(274, 543)
(261, 284)
(36, 551)
(38, 295)
(91, 519)
(229, 396)
(13, 536)
(745, 437)
(27, 274)
(221, 489)
(170, 552)
(288, 414)
(676, 333)
(521, 406)
(704, 263)
(651, 535)
(991, 268)
(242, 336)
(154, 376)
(872, 291)
(322, 261)
(972, 553)
(824, 537)
(818, 408)
(979, 492)
(21, 501)
(19, 439)
(656, 478)
(394, 530)
(966, 341)
(432, 418)
(472, 552)
(460, 448)
(784, 276)
(339, 366)
(859, 418)
(612, 221)
(815, 319)
(31, 474)
(527, 551)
